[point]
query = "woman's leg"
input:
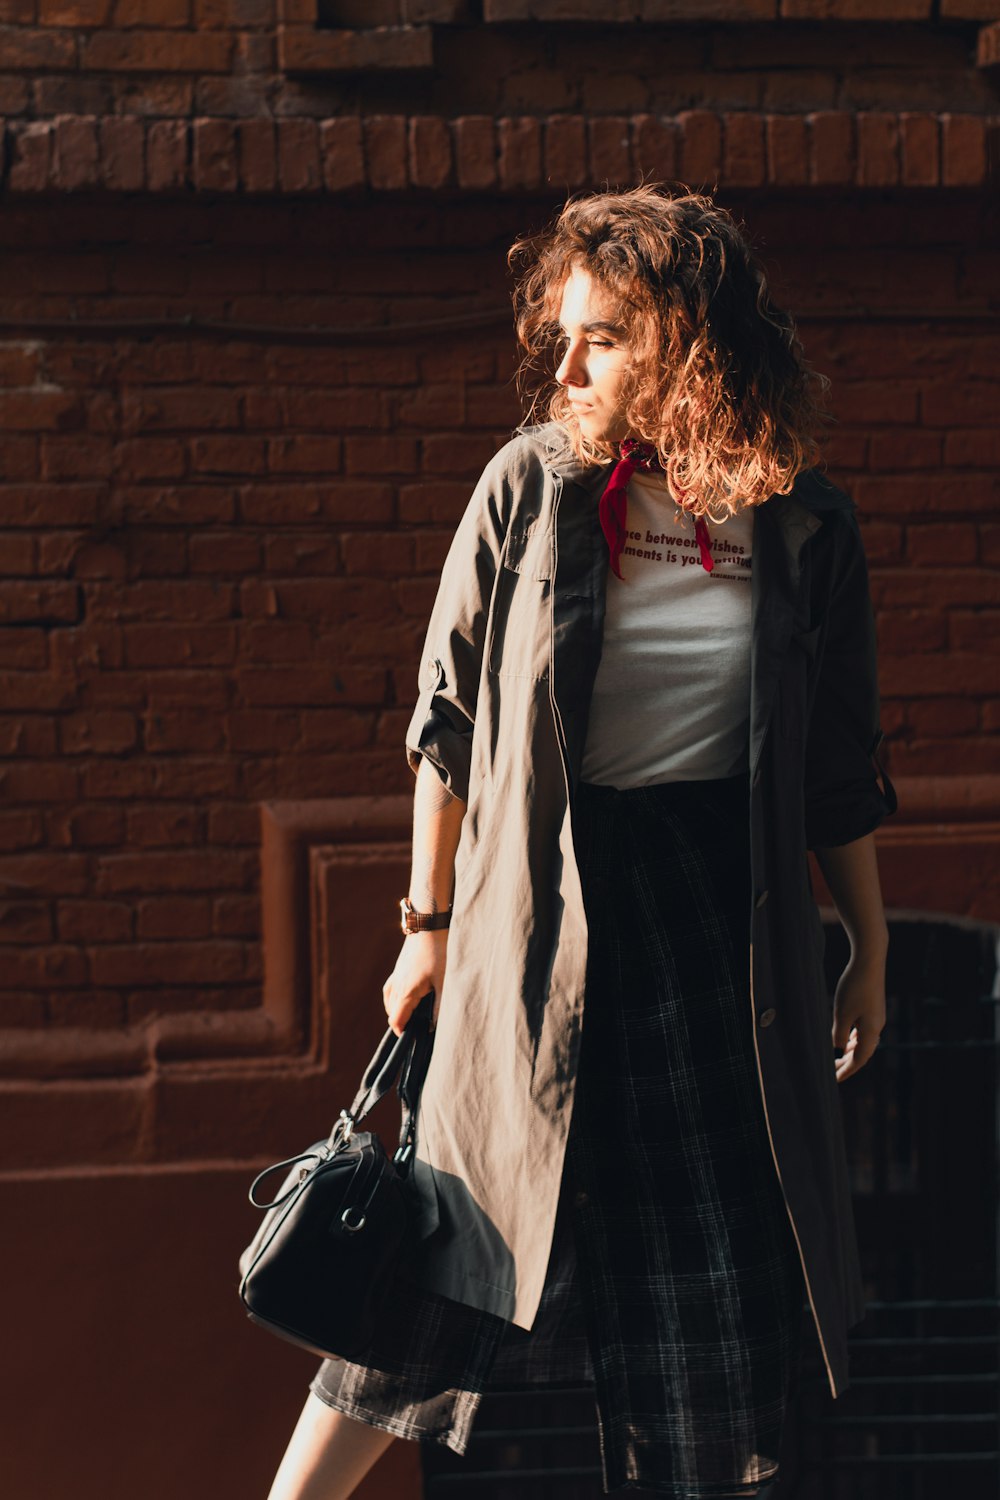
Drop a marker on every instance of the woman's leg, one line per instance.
(328, 1455)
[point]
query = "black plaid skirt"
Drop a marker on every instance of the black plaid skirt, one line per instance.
(674, 1282)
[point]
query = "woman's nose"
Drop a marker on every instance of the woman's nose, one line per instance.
(571, 370)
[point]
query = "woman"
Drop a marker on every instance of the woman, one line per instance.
(648, 687)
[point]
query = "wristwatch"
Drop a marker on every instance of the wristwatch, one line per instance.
(421, 921)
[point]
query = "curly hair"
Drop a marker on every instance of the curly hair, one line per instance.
(716, 382)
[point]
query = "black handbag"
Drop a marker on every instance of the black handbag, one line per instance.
(318, 1267)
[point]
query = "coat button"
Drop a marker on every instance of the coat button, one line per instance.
(581, 1199)
(761, 898)
(766, 1017)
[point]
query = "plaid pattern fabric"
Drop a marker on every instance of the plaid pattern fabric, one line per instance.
(674, 1281)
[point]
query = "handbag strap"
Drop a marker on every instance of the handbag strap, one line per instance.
(406, 1058)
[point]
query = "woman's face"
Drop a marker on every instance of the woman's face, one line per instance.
(594, 357)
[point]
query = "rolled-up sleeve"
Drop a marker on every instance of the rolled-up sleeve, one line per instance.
(843, 799)
(443, 719)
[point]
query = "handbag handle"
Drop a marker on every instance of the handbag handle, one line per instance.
(404, 1057)
(407, 1055)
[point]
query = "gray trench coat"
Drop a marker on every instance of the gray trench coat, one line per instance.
(505, 680)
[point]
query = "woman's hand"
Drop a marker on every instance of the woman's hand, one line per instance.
(419, 968)
(858, 1012)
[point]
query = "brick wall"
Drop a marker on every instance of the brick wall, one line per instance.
(184, 59)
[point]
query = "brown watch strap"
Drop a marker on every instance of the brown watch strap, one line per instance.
(421, 921)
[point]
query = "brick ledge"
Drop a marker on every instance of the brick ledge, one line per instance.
(477, 153)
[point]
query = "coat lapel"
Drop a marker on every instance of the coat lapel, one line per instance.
(781, 528)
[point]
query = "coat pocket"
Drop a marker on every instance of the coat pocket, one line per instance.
(520, 628)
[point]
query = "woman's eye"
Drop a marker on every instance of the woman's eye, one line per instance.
(600, 344)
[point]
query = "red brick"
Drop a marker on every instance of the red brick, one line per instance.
(918, 495)
(75, 155)
(439, 502)
(226, 552)
(832, 149)
(743, 160)
(787, 150)
(38, 51)
(654, 148)
(972, 448)
(565, 150)
(701, 147)
(608, 150)
(304, 455)
(31, 157)
(229, 454)
(446, 454)
(430, 151)
(156, 52)
(130, 13)
(309, 684)
(175, 962)
(123, 153)
(260, 731)
(17, 555)
(936, 590)
(298, 156)
(167, 155)
(343, 158)
(931, 674)
(50, 965)
(855, 10)
(164, 645)
(943, 717)
(385, 151)
(173, 917)
(94, 921)
(941, 546)
(257, 155)
(19, 366)
(337, 729)
(380, 455)
(920, 150)
(867, 401)
(237, 916)
(520, 152)
(971, 403)
(878, 149)
(912, 630)
(111, 732)
(974, 631)
(475, 151)
(905, 449)
(303, 49)
(180, 407)
(213, 156)
(963, 151)
(183, 730)
(57, 602)
(41, 410)
(84, 14)
(149, 458)
(968, 10)
(25, 922)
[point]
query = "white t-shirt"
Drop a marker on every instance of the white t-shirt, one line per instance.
(672, 694)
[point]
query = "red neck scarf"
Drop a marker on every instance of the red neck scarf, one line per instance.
(614, 503)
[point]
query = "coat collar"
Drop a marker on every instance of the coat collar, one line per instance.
(784, 523)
